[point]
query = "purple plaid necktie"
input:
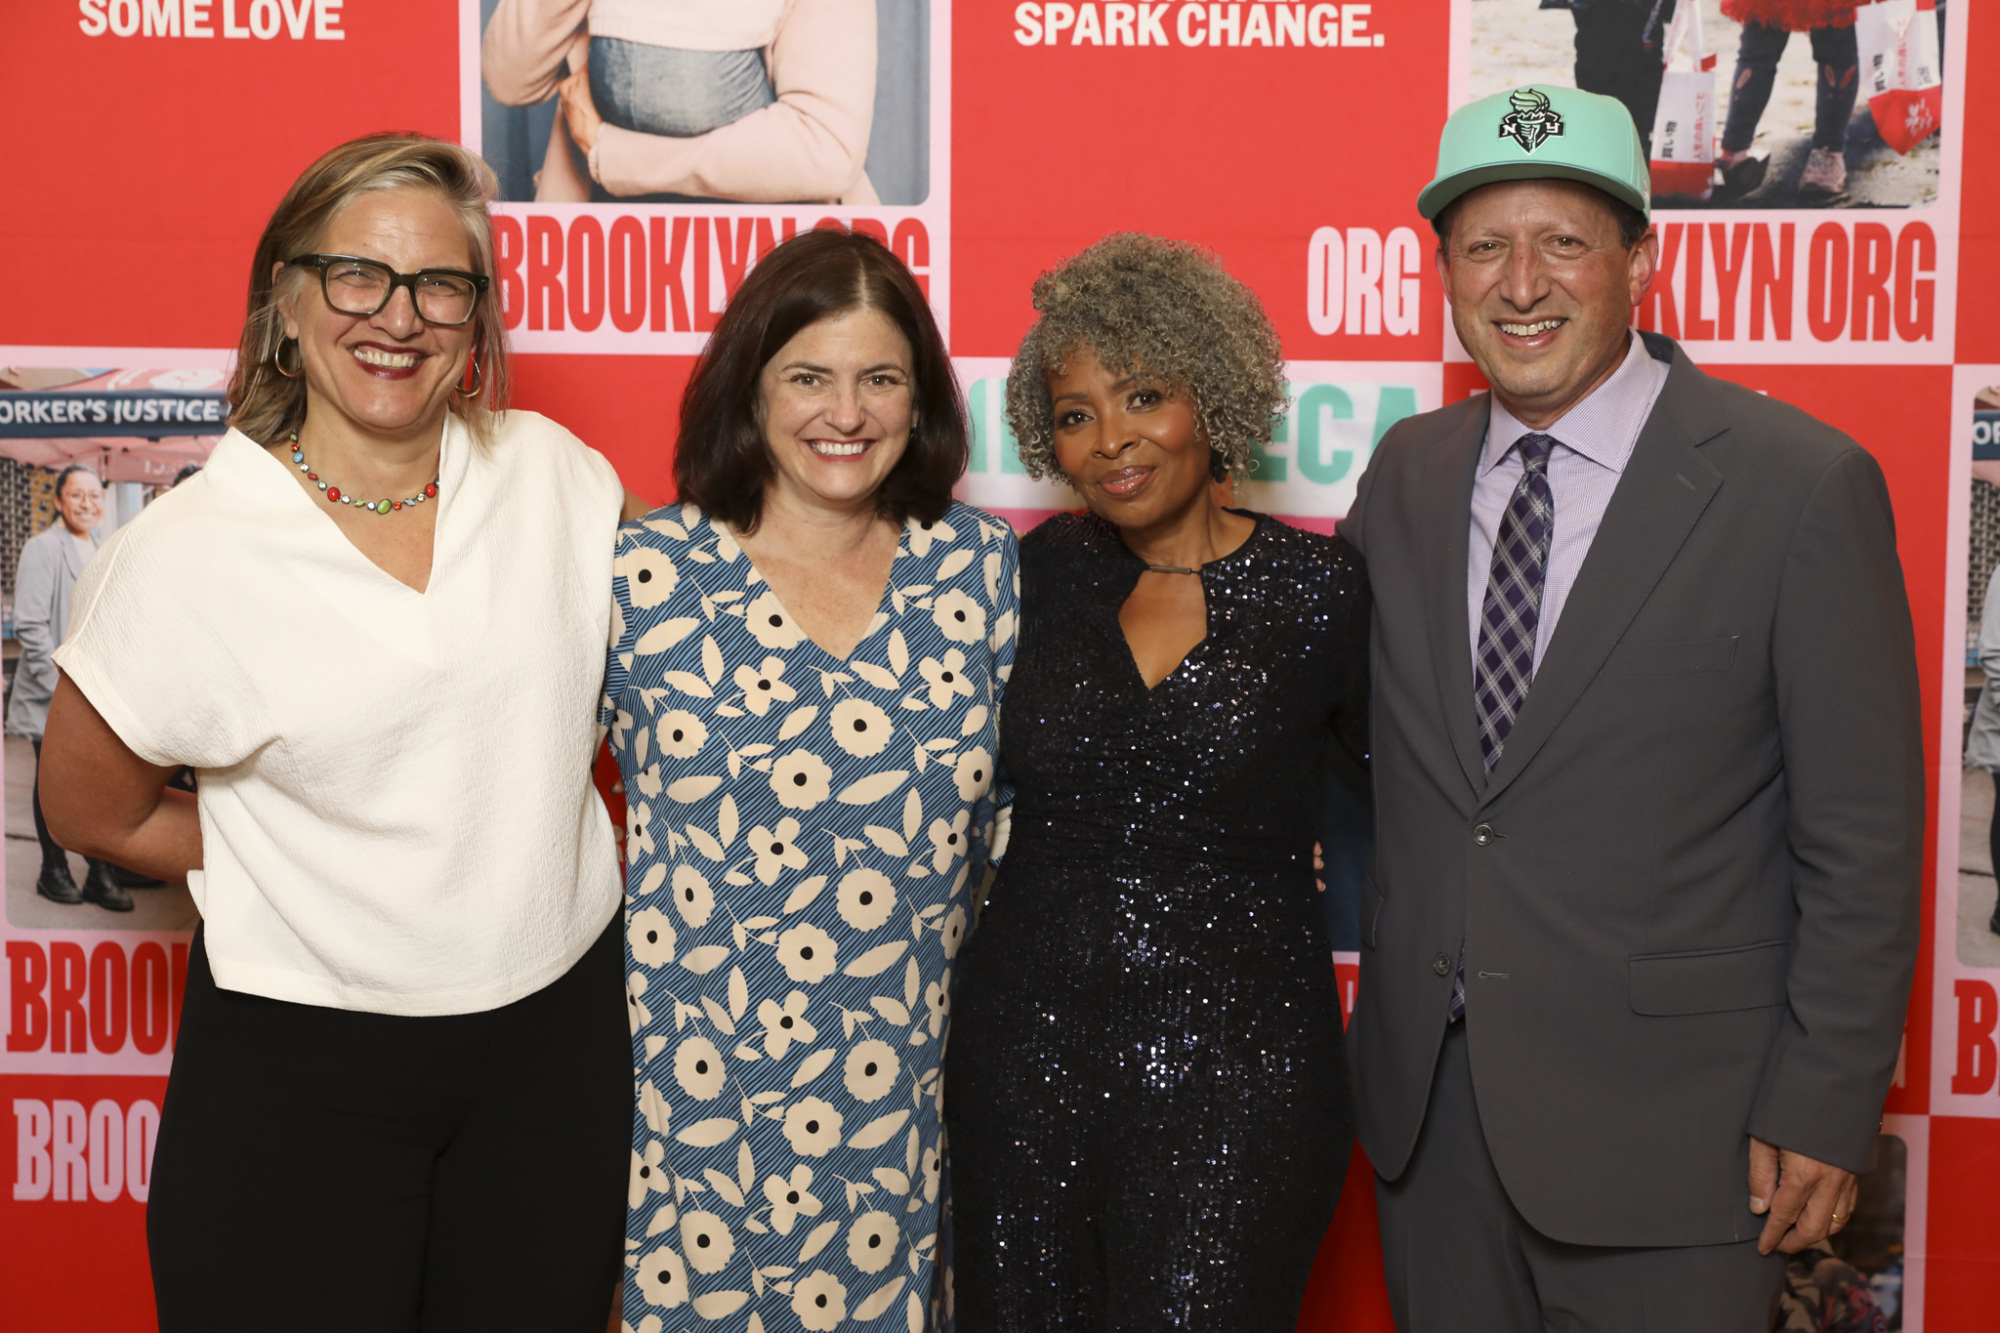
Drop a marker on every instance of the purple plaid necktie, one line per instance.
(1505, 664)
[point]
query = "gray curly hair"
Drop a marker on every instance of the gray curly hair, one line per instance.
(1159, 308)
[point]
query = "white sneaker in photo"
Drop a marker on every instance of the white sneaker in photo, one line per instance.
(1825, 173)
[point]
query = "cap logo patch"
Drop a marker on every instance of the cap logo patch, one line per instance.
(1532, 122)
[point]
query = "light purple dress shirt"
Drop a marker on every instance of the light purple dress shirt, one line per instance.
(1594, 441)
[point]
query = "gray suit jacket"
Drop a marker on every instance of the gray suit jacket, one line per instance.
(50, 565)
(1688, 895)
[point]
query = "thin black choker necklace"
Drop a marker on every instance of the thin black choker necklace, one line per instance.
(1170, 569)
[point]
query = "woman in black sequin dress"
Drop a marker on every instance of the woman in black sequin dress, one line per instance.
(1145, 1093)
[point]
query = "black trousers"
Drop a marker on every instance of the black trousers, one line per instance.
(1993, 837)
(321, 1169)
(1618, 54)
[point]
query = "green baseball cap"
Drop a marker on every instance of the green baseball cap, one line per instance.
(1539, 132)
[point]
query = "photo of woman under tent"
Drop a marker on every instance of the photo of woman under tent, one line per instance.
(81, 452)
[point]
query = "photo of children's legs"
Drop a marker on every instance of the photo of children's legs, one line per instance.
(1794, 129)
(1757, 57)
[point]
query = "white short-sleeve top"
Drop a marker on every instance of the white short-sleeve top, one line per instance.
(397, 812)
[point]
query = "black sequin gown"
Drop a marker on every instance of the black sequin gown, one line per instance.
(1146, 1093)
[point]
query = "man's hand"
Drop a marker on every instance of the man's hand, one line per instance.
(1803, 1201)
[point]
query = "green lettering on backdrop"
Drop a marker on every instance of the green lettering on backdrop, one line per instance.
(975, 402)
(1324, 468)
(1010, 448)
(1397, 402)
(1319, 462)
(1267, 467)
(976, 399)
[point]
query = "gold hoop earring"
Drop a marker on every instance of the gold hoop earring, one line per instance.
(478, 379)
(278, 359)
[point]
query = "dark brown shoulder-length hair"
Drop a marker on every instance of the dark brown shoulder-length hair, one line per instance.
(722, 462)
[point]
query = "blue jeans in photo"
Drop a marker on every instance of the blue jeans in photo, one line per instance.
(672, 92)
(1757, 73)
(666, 90)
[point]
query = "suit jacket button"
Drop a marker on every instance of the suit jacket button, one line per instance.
(1442, 964)
(1482, 834)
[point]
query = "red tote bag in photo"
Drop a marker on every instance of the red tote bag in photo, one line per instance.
(1898, 41)
(1683, 161)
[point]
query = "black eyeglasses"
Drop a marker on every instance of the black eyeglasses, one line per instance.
(446, 297)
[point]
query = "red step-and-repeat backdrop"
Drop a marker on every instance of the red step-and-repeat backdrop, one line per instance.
(147, 141)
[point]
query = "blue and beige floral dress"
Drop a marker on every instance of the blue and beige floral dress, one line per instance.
(802, 836)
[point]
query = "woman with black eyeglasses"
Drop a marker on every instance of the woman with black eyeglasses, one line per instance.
(375, 625)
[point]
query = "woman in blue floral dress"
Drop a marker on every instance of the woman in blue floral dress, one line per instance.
(804, 684)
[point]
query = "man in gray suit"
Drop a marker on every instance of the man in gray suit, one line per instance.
(1640, 930)
(51, 562)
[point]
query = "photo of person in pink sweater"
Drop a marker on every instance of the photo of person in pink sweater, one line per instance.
(750, 101)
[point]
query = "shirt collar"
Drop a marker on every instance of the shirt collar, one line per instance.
(1602, 428)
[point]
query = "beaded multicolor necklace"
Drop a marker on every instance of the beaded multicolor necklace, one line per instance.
(334, 495)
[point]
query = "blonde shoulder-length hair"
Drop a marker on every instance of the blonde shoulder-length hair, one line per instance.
(267, 404)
